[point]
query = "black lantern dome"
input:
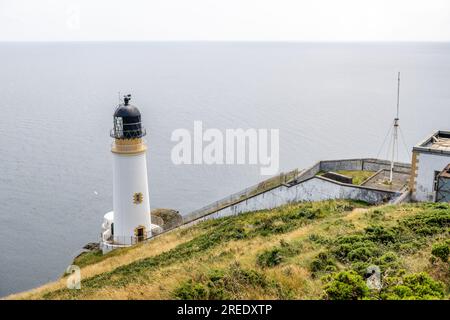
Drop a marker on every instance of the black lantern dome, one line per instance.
(127, 121)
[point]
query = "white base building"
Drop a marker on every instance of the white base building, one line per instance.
(429, 158)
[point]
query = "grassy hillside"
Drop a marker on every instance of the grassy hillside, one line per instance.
(298, 251)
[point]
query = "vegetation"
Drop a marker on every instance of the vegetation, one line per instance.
(417, 286)
(346, 285)
(276, 255)
(441, 250)
(87, 258)
(359, 176)
(298, 251)
(231, 283)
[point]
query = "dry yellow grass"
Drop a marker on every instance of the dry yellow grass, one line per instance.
(160, 283)
(164, 243)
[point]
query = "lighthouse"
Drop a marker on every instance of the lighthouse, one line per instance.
(130, 220)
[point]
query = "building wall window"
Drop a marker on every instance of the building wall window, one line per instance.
(118, 127)
(138, 197)
(435, 180)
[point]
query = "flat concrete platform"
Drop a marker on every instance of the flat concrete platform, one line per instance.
(380, 181)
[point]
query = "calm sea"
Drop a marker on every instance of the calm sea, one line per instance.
(57, 99)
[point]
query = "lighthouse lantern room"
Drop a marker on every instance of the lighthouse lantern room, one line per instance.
(130, 220)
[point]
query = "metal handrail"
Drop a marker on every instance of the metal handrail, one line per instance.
(246, 193)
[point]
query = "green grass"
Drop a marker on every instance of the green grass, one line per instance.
(96, 256)
(220, 284)
(217, 232)
(297, 251)
(359, 176)
(87, 258)
(386, 247)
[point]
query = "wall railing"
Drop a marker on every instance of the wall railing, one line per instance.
(276, 181)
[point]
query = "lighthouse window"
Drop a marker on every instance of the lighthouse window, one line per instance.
(138, 198)
(118, 126)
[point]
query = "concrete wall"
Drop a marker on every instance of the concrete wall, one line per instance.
(309, 173)
(375, 165)
(427, 164)
(314, 189)
(363, 164)
(308, 187)
(336, 165)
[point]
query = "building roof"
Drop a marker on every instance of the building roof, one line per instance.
(438, 143)
(127, 111)
(446, 172)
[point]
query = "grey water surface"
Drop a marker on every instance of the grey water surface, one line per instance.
(329, 100)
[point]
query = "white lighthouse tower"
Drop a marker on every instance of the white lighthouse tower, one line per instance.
(130, 220)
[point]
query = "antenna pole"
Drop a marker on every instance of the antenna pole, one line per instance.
(395, 132)
(398, 94)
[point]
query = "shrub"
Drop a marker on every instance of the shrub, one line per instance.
(432, 220)
(388, 262)
(270, 258)
(276, 255)
(231, 283)
(363, 252)
(309, 213)
(318, 239)
(355, 248)
(191, 291)
(380, 234)
(416, 286)
(345, 285)
(323, 262)
(441, 251)
(375, 214)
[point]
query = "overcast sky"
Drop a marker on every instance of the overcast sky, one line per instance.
(217, 20)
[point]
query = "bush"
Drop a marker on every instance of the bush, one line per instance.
(309, 213)
(416, 286)
(318, 239)
(432, 220)
(363, 253)
(388, 262)
(231, 283)
(276, 255)
(376, 214)
(192, 291)
(441, 251)
(346, 285)
(270, 258)
(380, 234)
(323, 262)
(355, 248)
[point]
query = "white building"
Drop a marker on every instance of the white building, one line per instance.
(130, 222)
(429, 158)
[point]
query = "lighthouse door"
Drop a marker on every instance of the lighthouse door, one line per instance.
(140, 233)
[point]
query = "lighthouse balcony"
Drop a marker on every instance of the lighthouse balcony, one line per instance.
(109, 242)
(132, 132)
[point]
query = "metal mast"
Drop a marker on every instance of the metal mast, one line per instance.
(395, 131)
